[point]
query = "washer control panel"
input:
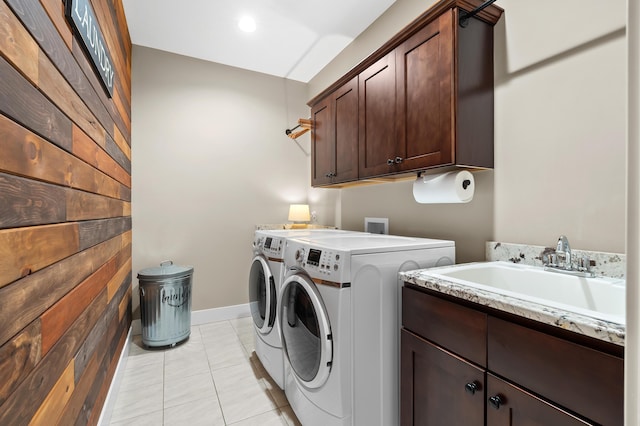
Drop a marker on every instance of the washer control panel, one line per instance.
(270, 246)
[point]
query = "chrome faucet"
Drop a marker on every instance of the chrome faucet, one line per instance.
(561, 260)
(563, 252)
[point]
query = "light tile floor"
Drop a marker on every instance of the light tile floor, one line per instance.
(215, 378)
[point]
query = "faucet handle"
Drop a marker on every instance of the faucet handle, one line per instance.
(584, 264)
(550, 259)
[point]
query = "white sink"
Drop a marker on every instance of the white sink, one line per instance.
(599, 297)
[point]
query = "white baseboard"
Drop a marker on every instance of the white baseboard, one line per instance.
(136, 327)
(110, 401)
(206, 316)
(220, 314)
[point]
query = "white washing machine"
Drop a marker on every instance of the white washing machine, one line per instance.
(265, 278)
(340, 319)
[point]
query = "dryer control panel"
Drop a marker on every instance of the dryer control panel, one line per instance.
(323, 259)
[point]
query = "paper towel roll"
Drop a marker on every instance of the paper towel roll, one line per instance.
(451, 187)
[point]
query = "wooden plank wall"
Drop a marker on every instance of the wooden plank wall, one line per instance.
(65, 215)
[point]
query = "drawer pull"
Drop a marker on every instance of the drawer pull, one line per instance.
(472, 387)
(496, 401)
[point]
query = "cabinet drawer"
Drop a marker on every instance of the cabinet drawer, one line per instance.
(578, 378)
(454, 327)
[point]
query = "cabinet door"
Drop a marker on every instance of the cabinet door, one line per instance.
(438, 388)
(582, 379)
(516, 407)
(334, 141)
(322, 145)
(425, 96)
(377, 147)
(345, 103)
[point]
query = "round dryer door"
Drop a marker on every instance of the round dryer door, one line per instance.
(262, 295)
(306, 332)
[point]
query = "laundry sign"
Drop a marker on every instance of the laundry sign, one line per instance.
(83, 20)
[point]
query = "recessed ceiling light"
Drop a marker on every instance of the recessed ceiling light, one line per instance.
(247, 24)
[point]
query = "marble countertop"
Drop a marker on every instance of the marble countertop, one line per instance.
(593, 327)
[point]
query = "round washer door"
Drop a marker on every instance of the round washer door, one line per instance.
(262, 295)
(306, 332)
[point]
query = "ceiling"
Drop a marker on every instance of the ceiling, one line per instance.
(294, 39)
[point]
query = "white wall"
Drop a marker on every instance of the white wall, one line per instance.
(559, 132)
(560, 123)
(211, 160)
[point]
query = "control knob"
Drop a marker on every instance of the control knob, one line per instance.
(300, 255)
(257, 243)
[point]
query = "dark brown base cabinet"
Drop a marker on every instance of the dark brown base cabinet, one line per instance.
(434, 382)
(463, 364)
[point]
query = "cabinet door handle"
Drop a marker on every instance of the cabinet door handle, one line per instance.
(398, 160)
(390, 162)
(472, 387)
(496, 401)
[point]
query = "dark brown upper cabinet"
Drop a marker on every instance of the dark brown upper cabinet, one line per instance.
(335, 137)
(377, 143)
(424, 101)
(424, 97)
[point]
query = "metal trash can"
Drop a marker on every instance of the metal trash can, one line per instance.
(165, 303)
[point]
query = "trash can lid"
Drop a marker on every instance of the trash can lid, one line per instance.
(166, 270)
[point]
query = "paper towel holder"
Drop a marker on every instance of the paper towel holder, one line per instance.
(465, 183)
(445, 187)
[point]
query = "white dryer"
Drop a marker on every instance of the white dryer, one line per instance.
(340, 319)
(265, 278)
